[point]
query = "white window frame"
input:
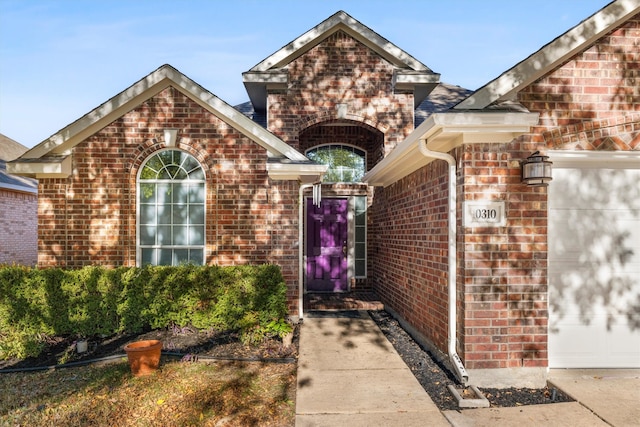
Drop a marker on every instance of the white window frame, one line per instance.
(156, 181)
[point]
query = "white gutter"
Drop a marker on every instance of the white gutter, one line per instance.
(458, 367)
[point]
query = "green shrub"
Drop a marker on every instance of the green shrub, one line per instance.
(92, 301)
(20, 344)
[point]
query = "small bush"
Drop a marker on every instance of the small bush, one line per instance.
(92, 301)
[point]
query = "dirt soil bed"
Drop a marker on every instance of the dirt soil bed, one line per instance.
(434, 377)
(177, 341)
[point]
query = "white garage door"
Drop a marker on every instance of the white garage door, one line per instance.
(594, 266)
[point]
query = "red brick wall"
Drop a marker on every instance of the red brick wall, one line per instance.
(408, 249)
(591, 103)
(501, 276)
(90, 218)
(18, 228)
(52, 222)
(340, 70)
(503, 270)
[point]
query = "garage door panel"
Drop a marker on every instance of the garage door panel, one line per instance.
(594, 268)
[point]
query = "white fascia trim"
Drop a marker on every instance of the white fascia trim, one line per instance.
(553, 54)
(340, 21)
(594, 159)
(61, 142)
(154, 83)
(444, 132)
(415, 77)
(403, 79)
(275, 78)
(274, 145)
(305, 173)
(59, 168)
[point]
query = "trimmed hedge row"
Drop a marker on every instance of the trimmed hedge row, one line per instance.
(97, 301)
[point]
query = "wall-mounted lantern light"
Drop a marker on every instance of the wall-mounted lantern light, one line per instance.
(536, 170)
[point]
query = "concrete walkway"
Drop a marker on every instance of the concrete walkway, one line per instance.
(613, 394)
(603, 398)
(350, 375)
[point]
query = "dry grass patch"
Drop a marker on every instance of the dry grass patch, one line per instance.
(179, 394)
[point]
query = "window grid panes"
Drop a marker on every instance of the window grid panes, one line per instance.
(360, 261)
(346, 163)
(171, 210)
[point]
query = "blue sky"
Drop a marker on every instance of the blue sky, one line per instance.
(61, 59)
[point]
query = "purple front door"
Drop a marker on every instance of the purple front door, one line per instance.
(326, 247)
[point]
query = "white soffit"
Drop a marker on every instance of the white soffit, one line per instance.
(444, 132)
(305, 172)
(553, 54)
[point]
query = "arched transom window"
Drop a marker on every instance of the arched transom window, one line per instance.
(346, 163)
(171, 206)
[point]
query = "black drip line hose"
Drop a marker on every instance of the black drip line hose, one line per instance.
(186, 357)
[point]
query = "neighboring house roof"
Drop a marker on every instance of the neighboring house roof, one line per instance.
(410, 73)
(52, 158)
(9, 150)
(552, 55)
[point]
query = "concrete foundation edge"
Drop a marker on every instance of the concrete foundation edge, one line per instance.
(508, 377)
(488, 378)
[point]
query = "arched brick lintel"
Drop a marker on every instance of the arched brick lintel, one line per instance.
(336, 115)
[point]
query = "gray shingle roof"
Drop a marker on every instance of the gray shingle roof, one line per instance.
(443, 97)
(10, 150)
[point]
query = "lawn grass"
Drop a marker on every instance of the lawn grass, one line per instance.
(179, 394)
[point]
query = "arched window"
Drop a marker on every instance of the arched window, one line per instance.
(346, 163)
(171, 206)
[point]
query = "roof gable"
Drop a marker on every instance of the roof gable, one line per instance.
(340, 21)
(52, 157)
(271, 72)
(552, 55)
(61, 142)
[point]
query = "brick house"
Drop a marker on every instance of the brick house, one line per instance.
(421, 200)
(18, 210)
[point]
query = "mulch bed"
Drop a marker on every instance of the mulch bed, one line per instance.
(434, 377)
(180, 342)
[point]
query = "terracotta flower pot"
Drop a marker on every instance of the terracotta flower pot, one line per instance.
(144, 356)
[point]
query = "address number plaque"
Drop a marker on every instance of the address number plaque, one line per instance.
(484, 214)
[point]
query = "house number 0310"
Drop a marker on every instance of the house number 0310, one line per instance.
(484, 214)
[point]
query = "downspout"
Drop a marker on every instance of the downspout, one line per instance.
(303, 187)
(458, 367)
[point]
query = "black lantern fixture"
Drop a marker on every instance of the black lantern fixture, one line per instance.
(536, 170)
